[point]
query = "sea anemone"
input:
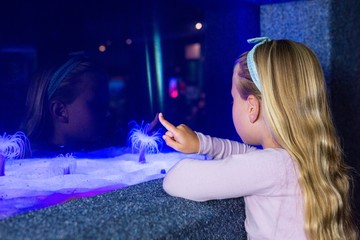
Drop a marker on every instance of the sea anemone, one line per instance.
(144, 141)
(12, 146)
(63, 164)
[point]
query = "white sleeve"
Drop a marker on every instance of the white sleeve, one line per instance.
(235, 176)
(219, 148)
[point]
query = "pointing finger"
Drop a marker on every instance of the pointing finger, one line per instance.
(166, 124)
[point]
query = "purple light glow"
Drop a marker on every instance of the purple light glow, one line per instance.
(173, 88)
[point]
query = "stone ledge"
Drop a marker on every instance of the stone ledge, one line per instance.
(142, 211)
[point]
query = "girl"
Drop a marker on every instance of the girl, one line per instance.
(66, 108)
(297, 186)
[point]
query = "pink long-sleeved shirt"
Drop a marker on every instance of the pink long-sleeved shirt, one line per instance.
(267, 179)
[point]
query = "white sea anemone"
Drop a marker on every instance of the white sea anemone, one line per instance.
(13, 146)
(141, 140)
(63, 164)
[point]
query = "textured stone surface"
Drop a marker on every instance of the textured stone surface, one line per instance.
(142, 211)
(301, 21)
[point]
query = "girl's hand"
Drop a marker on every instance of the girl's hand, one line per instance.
(180, 138)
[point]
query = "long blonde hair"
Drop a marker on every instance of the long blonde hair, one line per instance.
(295, 105)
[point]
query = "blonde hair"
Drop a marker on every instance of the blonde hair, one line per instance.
(295, 105)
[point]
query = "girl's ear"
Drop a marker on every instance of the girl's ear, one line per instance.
(253, 108)
(59, 111)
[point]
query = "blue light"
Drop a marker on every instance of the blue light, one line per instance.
(159, 67)
(149, 79)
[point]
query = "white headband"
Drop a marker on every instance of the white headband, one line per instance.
(250, 60)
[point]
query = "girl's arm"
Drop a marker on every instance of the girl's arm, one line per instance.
(258, 172)
(183, 139)
(219, 148)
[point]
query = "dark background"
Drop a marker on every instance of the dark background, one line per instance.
(38, 34)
